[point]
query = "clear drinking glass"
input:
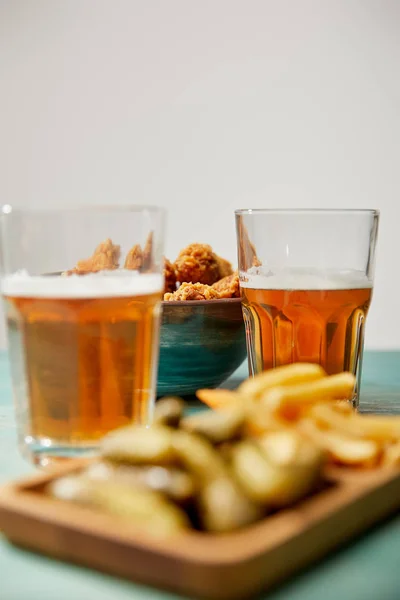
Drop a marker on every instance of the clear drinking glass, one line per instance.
(306, 280)
(83, 343)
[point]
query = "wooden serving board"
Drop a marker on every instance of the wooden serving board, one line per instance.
(230, 566)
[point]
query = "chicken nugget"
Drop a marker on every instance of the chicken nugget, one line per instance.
(105, 257)
(193, 291)
(228, 287)
(197, 263)
(169, 277)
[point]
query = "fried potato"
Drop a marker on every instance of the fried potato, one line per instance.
(290, 400)
(139, 445)
(144, 508)
(169, 411)
(219, 398)
(260, 421)
(391, 455)
(374, 427)
(281, 376)
(198, 457)
(224, 507)
(173, 482)
(342, 448)
(344, 407)
(217, 426)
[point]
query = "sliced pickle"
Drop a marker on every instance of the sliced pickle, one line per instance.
(169, 411)
(139, 445)
(224, 507)
(216, 426)
(198, 457)
(147, 509)
(173, 482)
(269, 483)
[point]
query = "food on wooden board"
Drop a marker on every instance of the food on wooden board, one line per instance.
(262, 448)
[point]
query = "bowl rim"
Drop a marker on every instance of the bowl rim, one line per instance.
(201, 302)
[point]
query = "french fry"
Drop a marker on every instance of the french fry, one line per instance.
(344, 407)
(373, 427)
(281, 376)
(288, 401)
(391, 455)
(342, 449)
(259, 421)
(219, 398)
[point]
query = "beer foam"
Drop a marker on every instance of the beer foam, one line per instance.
(303, 279)
(104, 284)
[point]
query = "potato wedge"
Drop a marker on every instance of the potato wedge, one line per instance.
(289, 401)
(341, 448)
(219, 398)
(216, 426)
(374, 427)
(281, 376)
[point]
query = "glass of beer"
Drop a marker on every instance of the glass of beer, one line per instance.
(82, 296)
(306, 280)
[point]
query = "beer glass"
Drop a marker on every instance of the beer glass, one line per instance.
(81, 292)
(306, 279)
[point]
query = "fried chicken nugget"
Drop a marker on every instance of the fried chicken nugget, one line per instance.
(169, 277)
(138, 259)
(197, 263)
(105, 257)
(228, 287)
(224, 267)
(193, 291)
(134, 258)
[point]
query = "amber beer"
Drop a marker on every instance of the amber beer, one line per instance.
(320, 323)
(84, 352)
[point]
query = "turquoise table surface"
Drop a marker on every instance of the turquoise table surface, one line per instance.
(368, 569)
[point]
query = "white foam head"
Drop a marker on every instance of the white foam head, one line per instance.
(105, 284)
(303, 279)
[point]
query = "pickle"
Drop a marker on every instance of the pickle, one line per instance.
(173, 482)
(198, 457)
(139, 445)
(223, 507)
(216, 426)
(146, 509)
(288, 447)
(269, 483)
(169, 411)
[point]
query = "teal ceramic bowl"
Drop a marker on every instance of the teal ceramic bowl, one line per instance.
(201, 344)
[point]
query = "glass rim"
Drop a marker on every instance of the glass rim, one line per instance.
(300, 211)
(7, 210)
